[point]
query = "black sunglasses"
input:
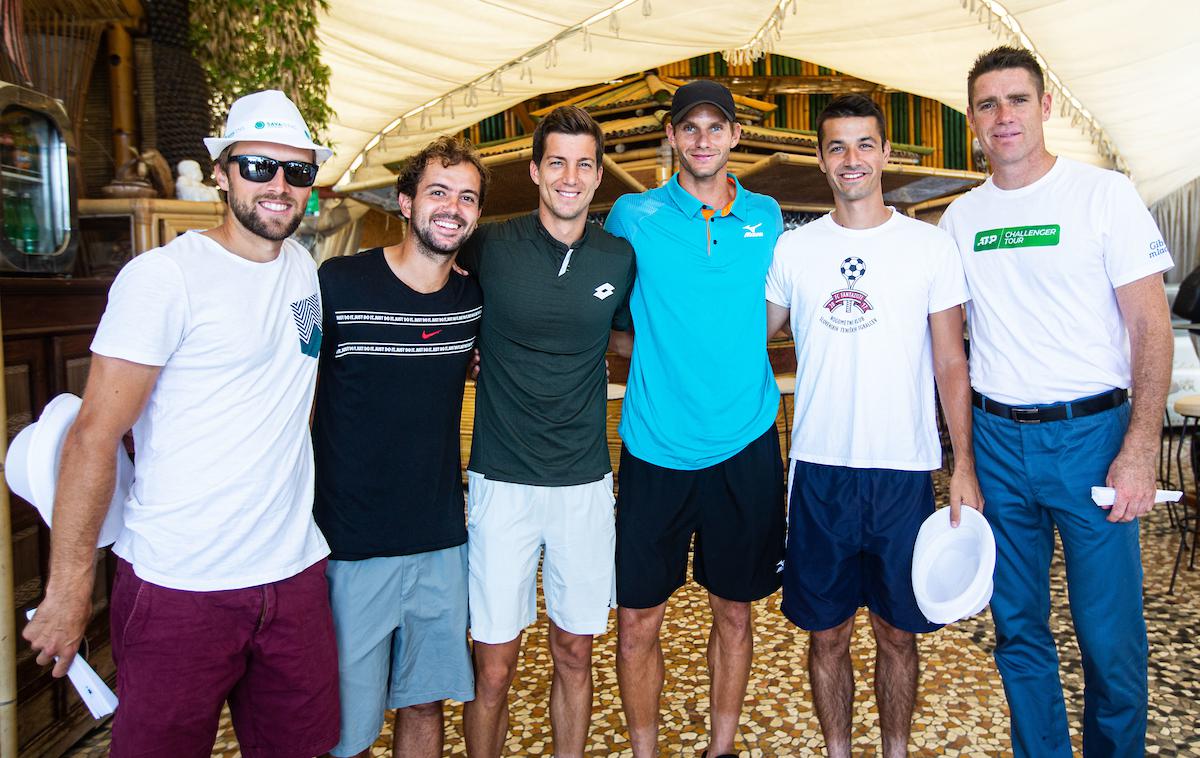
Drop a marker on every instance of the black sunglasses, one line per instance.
(257, 168)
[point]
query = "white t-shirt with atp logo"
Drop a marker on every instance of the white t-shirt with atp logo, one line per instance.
(860, 301)
(1043, 263)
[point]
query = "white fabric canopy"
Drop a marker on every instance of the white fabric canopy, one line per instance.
(1129, 66)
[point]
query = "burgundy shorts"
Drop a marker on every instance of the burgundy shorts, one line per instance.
(269, 650)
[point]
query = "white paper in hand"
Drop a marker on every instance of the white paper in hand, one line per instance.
(1106, 496)
(94, 692)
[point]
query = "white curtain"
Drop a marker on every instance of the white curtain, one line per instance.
(340, 229)
(1178, 217)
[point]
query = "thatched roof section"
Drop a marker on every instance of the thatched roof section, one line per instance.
(646, 93)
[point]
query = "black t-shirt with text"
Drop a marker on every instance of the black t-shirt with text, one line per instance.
(389, 398)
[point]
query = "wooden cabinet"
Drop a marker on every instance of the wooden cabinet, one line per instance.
(48, 327)
(48, 324)
(154, 222)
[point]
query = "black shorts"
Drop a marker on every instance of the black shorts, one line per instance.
(734, 508)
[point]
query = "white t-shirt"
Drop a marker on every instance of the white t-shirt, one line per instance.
(223, 483)
(860, 301)
(1042, 262)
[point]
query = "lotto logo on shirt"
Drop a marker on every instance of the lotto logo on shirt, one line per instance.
(1017, 236)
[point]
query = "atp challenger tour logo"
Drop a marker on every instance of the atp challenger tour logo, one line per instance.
(1045, 235)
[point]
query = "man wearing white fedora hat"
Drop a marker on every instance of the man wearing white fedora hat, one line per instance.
(208, 351)
(874, 302)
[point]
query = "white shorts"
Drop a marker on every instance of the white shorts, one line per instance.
(509, 525)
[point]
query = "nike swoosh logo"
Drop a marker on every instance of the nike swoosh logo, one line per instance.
(426, 335)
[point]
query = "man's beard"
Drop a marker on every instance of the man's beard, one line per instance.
(434, 249)
(245, 213)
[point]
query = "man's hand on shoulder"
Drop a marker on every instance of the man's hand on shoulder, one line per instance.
(57, 629)
(1132, 475)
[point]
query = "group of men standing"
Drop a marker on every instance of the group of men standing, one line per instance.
(210, 347)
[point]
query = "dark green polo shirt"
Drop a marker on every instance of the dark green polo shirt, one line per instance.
(547, 312)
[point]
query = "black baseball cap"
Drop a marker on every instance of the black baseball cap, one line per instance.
(700, 92)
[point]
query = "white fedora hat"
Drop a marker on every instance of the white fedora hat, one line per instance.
(267, 116)
(31, 466)
(952, 567)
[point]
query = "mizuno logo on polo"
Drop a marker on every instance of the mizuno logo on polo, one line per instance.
(752, 230)
(604, 290)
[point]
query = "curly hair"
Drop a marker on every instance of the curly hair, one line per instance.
(451, 151)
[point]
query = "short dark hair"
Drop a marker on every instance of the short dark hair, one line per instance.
(1001, 58)
(222, 164)
(451, 151)
(850, 106)
(567, 119)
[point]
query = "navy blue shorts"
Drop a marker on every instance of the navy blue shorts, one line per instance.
(850, 543)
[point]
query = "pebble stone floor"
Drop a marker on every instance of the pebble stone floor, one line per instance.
(961, 709)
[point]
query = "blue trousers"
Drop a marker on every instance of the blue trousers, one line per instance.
(1036, 477)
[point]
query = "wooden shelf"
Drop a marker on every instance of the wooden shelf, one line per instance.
(154, 221)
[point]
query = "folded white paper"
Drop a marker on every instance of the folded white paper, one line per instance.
(1106, 496)
(96, 695)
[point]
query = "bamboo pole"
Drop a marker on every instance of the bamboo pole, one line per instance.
(124, 114)
(939, 134)
(8, 629)
(912, 124)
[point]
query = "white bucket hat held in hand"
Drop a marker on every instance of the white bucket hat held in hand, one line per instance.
(952, 567)
(267, 116)
(31, 466)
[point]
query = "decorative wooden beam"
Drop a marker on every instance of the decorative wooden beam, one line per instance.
(521, 111)
(763, 86)
(124, 112)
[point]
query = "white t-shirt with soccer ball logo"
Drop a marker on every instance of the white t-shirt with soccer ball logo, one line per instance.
(1043, 262)
(860, 301)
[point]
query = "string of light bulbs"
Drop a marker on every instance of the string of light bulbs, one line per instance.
(494, 80)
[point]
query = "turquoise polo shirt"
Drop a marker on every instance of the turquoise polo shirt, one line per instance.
(700, 385)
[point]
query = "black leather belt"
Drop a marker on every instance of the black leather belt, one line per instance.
(1036, 414)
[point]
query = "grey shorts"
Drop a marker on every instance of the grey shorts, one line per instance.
(401, 626)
